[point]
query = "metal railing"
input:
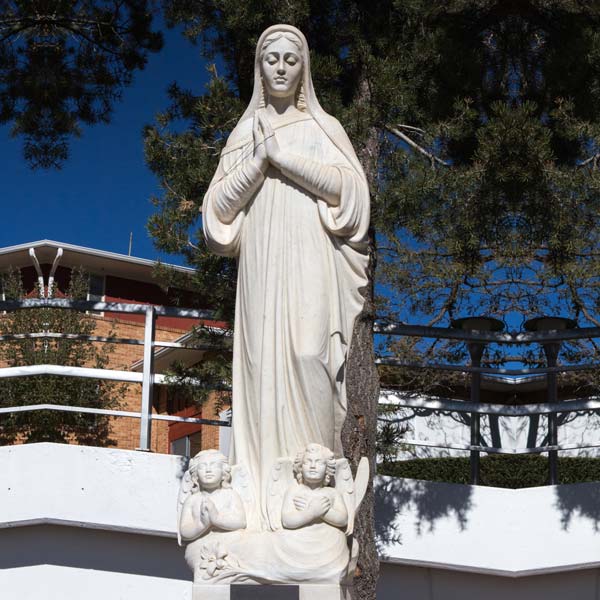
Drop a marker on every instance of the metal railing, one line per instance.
(446, 405)
(148, 378)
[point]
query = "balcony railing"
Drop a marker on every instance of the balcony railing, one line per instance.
(551, 408)
(148, 378)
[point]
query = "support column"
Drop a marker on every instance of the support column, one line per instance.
(147, 380)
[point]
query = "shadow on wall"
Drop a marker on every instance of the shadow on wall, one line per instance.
(182, 466)
(578, 500)
(426, 502)
(84, 548)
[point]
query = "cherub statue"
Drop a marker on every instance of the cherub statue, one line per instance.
(207, 502)
(301, 491)
(311, 500)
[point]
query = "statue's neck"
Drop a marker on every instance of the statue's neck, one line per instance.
(277, 107)
(313, 486)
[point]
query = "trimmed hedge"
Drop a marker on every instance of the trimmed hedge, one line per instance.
(496, 471)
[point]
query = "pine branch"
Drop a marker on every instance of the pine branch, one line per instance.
(434, 159)
(417, 130)
(580, 305)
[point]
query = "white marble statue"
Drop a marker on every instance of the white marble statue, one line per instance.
(291, 202)
(312, 502)
(212, 503)
(310, 499)
(209, 504)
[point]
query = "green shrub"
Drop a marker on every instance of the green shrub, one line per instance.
(496, 471)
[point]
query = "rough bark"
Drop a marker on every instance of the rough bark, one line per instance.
(362, 387)
(358, 437)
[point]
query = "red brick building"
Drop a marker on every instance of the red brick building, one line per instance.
(129, 280)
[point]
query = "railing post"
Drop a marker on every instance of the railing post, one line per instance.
(476, 347)
(551, 350)
(552, 324)
(476, 352)
(147, 380)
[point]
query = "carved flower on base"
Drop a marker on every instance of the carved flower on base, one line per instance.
(213, 558)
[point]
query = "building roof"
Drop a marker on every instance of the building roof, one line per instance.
(165, 357)
(93, 260)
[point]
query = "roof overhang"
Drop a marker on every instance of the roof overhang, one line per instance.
(94, 261)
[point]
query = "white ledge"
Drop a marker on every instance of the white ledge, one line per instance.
(512, 533)
(494, 531)
(98, 488)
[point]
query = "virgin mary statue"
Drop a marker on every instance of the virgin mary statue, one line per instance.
(291, 202)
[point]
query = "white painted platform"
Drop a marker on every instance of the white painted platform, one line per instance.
(513, 533)
(101, 488)
(80, 522)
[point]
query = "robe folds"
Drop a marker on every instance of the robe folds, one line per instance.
(301, 272)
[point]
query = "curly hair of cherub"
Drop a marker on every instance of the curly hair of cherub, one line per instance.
(327, 455)
(204, 454)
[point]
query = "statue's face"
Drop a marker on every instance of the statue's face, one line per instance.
(281, 68)
(314, 468)
(210, 473)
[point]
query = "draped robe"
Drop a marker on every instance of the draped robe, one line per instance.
(301, 270)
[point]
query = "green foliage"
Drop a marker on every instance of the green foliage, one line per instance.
(64, 63)
(54, 426)
(389, 437)
(185, 162)
(502, 218)
(478, 124)
(193, 384)
(513, 472)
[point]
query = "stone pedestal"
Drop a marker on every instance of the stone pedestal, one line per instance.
(323, 592)
(210, 592)
(270, 592)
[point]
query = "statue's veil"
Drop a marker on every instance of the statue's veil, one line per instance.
(328, 124)
(345, 226)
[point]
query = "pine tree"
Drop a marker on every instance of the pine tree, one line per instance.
(491, 205)
(65, 63)
(477, 124)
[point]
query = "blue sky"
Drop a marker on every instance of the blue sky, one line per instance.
(103, 191)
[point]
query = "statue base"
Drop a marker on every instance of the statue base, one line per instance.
(305, 591)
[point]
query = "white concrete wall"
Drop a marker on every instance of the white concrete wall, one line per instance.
(419, 583)
(57, 582)
(495, 531)
(98, 524)
(92, 487)
(89, 523)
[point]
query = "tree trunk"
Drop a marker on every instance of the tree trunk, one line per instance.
(362, 389)
(358, 435)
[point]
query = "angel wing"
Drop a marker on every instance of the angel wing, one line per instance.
(241, 483)
(344, 485)
(361, 481)
(352, 490)
(280, 478)
(185, 491)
